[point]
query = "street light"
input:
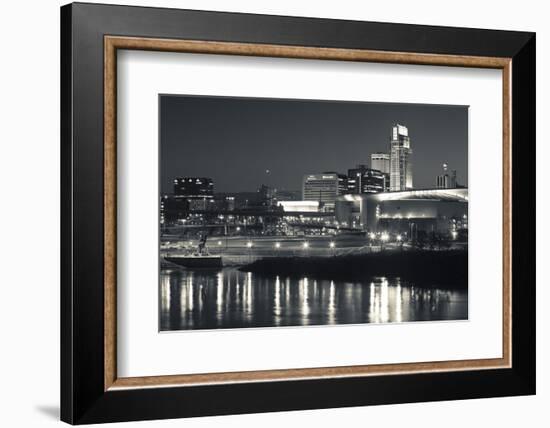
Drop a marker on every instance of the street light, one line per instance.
(332, 245)
(400, 240)
(383, 238)
(277, 245)
(306, 245)
(249, 244)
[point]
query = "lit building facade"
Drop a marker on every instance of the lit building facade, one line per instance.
(198, 192)
(324, 188)
(348, 211)
(367, 180)
(299, 206)
(401, 177)
(380, 162)
(433, 210)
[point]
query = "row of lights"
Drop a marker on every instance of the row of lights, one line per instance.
(384, 236)
(305, 245)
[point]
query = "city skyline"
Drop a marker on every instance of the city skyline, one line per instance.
(273, 215)
(225, 138)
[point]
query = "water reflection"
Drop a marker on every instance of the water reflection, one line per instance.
(231, 299)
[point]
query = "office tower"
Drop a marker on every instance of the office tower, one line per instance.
(400, 159)
(355, 176)
(367, 180)
(380, 161)
(324, 187)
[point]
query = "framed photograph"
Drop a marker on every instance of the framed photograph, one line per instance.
(265, 213)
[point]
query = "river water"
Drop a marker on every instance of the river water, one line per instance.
(228, 298)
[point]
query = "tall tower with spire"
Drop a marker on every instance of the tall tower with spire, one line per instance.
(401, 177)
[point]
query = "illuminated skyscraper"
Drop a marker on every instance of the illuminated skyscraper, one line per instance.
(400, 159)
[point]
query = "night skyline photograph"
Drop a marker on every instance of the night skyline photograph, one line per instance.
(294, 213)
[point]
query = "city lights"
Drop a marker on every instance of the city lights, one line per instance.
(365, 221)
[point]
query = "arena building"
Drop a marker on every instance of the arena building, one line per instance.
(430, 210)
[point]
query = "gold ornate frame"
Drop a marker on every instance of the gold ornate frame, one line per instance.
(114, 43)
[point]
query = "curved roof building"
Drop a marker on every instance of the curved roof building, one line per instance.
(428, 209)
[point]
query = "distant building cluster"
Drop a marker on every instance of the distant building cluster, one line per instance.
(193, 199)
(447, 180)
(388, 172)
(381, 196)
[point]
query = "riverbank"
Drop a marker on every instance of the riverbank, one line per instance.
(440, 268)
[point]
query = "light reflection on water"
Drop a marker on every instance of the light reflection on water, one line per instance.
(228, 298)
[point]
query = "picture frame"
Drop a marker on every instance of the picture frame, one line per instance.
(91, 390)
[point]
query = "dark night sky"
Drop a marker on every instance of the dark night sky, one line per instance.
(235, 140)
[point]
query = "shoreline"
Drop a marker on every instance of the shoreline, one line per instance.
(447, 269)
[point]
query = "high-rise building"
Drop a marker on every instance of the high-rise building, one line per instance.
(367, 180)
(355, 179)
(401, 177)
(324, 187)
(380, 161)
(447, 180)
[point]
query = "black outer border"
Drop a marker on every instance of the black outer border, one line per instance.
(83, 399)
